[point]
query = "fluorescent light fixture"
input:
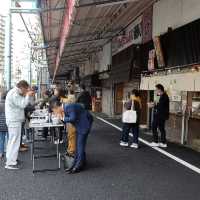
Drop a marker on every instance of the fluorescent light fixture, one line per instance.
(113, 2)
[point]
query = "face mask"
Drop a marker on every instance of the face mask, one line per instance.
(20, 92)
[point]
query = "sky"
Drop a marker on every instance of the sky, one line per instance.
(20, 42)
(4, 7)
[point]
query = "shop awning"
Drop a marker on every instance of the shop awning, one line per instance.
(179, 82)
(74, 30)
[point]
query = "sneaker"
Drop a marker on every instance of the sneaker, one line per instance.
(154, 144)
(12, 167)
(24, 145)
(23, 149)
(56, 142)
(1, 157)
(19, 162)
(134, 145)
(61, 141)
(28, 141)
(163, 145)
(124, 144)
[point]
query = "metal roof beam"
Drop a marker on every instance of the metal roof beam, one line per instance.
(91, 19)
(72, 63)
(96, 33)
(81, 53)
(34, 10)
(104, 3)
(98, 48)
(87, 41)
(75, 59)
(69, 62)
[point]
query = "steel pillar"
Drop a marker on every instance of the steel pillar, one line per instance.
(8, 46)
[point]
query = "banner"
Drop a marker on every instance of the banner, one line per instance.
(147, 24)
(132, 35)
(159, 52)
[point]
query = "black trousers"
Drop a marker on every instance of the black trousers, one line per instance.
(159, 124)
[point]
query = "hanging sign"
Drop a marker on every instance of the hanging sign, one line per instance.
(131, 35)
(159, 51)
(151, 61)
(147, 24)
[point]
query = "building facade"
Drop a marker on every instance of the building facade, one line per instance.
(176, 29)
(159, 46)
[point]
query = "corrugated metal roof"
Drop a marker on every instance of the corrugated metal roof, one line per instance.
(91, 28)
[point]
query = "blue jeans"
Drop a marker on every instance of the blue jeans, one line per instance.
(80, 157)
(126, 130)
(2, 141)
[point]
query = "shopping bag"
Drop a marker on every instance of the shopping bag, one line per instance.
(130, 116)
(68, 161)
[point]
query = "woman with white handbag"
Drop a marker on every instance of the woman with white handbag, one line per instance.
(130, 119)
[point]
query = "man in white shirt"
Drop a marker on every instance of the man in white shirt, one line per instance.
(17, 99)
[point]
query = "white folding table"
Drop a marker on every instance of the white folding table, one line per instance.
(34, 156)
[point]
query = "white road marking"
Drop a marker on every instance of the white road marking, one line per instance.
(169, 155)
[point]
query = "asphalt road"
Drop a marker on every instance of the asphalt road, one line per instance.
(113, 173)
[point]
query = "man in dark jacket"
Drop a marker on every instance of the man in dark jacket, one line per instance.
(82, 121)
(161, 114)
(85, 98)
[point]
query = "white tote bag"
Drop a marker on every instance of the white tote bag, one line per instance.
(130, 116)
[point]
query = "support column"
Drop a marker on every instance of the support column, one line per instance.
(8, 46)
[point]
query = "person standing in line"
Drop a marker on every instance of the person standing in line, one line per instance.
(82, 121)
(161, 114)
(71, 130)
(3, 127)
(135, 96)
(16, 101)
(28, 111)
(134, 127)
(55, 96)
(58, 95)
(85, 98)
